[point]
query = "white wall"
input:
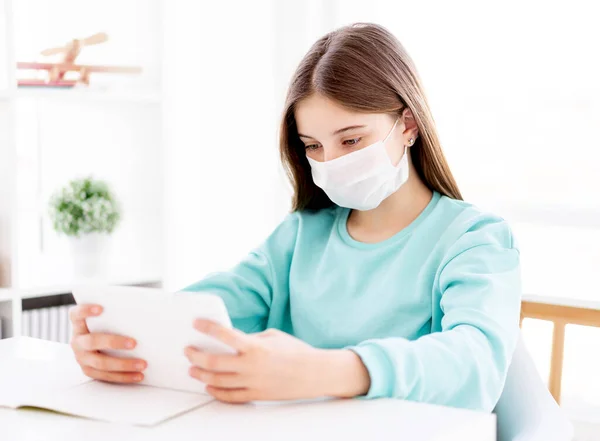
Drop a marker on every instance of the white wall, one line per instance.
(514, 91)
(227, 68)
(223, 188)
(6, 196)
(6, 156)
(3, 44)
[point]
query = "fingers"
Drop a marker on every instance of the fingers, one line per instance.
(226, 380)
(213, 362)
(231, 337)
(98, 342)
(268, 333)
(102, 362)
(113, 377)
(79, 313)
(230, 395)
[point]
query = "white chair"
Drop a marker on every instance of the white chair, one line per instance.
(526, 411)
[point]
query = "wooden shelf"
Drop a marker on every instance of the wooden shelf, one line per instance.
(83, 95)
(67, 287)
(6, 294)
(5, 94)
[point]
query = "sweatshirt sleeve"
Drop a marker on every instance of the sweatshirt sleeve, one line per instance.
(250, 288)
(464, 365)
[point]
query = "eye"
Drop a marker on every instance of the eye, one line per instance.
(312, 147)
(352, 142)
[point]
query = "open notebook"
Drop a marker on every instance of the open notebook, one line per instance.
(60, 386)
(43, 374)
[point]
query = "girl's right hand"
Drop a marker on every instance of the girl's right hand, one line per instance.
(94, 364)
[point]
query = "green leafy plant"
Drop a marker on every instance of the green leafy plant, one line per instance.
(84, 206)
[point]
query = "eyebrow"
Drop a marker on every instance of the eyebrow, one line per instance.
(337, 132)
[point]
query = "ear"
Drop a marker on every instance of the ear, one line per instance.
(410, 126)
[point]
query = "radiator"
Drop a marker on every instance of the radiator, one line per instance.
(47, 323)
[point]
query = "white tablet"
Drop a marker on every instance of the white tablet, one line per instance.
(161, 323)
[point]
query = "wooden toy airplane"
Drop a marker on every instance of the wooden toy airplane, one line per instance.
(57, 71)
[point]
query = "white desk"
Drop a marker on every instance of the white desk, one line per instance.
(345, 419)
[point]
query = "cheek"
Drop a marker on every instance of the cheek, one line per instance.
(395, 150)
(317, 155)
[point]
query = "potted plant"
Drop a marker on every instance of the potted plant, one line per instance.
(85, 211)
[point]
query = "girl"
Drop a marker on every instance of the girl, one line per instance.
(382, 282)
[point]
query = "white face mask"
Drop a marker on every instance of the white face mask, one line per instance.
(361, 180)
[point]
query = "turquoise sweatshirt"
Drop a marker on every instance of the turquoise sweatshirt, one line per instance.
(432, 312)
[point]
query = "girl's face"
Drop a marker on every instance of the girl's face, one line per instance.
(329, 130)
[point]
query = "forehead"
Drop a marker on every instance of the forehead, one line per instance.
(317, 116)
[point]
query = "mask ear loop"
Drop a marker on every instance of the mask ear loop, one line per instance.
(411, 141)
(391, 131)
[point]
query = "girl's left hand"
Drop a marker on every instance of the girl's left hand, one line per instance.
(273, 365)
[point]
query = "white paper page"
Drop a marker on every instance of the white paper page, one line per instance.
(119, 403)
(59, 385)
(22, 380)
(161, 323)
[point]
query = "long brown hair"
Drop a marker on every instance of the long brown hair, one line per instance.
(364, 68)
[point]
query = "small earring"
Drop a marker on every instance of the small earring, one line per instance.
(411, 141)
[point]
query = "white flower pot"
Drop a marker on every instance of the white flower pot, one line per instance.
(89, 254)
